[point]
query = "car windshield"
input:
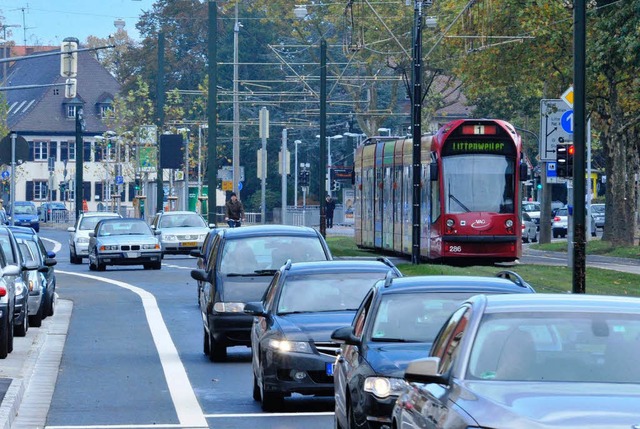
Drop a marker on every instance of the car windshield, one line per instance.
(35, 250)
(124, 228)
(529, 207)
(28, 209)
(90, 222)
(305, 293)
(252, 254)
(413, 317)
(8, 251)
(190, 220)
(599, 209)
(557, 347)
(562, 212)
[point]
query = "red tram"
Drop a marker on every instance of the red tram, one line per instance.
(470, 175)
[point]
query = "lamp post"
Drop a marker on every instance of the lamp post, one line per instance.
(329, 161)
(200, 128)
(185, 190)
(295, 179)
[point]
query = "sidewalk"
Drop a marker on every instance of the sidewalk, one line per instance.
(42, 346)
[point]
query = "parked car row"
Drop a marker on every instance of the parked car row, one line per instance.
(27, 284)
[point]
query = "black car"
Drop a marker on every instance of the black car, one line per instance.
(395, 324)
(44, 263)
(202, 257)
(240, 265)
(290, 339)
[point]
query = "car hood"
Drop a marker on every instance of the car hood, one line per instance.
(391, 359)
(243, 289)
(127, 239)
(29, 217)
(317, 327)
(185, 231)
(551, 405)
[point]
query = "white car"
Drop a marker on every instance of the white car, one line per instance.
(181, 231)
(560, 222)
(529, 229)
(532, 208)
(79, 234)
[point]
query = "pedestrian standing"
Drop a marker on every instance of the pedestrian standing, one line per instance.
(330, 208)
(235, 211)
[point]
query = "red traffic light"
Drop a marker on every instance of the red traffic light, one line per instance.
(571, 150)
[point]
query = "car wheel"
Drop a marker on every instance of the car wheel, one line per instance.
(91, 266)
(593, 233)
(101, 267)
(535, 238)
(36, 319)
(21, 329)
(10, 334)
(156, 265)
(205, 343)
(52, 303)
(256, 389)
(555, 234)
(73, 258)
(351, 417)
(271, 401)
(525, 238)
(217, 351)
(4, 340)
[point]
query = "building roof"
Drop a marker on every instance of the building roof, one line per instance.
(42, 111)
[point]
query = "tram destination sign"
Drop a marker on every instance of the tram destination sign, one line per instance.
(478, 146)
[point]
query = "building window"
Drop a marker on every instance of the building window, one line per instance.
(71, 150)
(56, 91)
(105, 109)
(40, 150)
(39, 190)
(71, 110)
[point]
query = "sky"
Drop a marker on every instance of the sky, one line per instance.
(48, 22)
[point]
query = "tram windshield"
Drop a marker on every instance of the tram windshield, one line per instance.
(478, 183)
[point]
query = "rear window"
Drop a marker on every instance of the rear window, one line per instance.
(90, 222)
(562, 212)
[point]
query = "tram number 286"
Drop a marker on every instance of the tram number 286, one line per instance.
(455, 249)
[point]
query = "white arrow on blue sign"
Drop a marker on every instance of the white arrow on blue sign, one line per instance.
(119, 180)
(567, 121)
(5, 175)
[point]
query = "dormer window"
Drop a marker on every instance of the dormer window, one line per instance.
(105, 109)
(71, 106)
(104, 104)
(71, 111)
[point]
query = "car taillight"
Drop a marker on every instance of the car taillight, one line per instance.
(3, 291)
(523, 227)
(556, 219)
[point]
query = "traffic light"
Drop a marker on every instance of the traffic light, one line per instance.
(562, 160)
(63, 187)
(571, 150)
(304, 178)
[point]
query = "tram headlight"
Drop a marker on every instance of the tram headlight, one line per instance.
(450, 223)
(509, 224)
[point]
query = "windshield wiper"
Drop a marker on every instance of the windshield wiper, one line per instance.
(391, 340)
(452, 197)
(268, 272)
(240, 274)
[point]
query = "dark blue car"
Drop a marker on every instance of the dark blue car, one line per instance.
(24, 213)
(395, 324)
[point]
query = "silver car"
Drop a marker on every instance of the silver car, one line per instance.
(597, 217)
(529, 229)
(123, 242)
(79, 234)
(529, 361)
(180, 231)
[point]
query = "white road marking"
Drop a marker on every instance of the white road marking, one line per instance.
(253, 415)
(184, 399)
(56, 244)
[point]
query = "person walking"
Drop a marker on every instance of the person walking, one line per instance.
(330, 208)
(235, 211)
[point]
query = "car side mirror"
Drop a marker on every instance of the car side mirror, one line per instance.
(71, 229)
(153, 227)
(92, 234)
(345, 335)
(31, 265)
(11, 270)
(255, 309)
(156, 232)
(50, 262)
(425, 371)
(200, 275)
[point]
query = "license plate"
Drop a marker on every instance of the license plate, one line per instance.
(329, 367)
(188, 244)
(133, 254)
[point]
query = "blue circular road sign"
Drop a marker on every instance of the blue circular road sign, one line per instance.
(567, 121)
(5, 175)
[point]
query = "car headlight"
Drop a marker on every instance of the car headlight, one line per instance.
(169, 237)
(285, 346)
(19, 288)
(82, 240)
(105, 247)
(150, 246)
(383, 387)
(229, 307)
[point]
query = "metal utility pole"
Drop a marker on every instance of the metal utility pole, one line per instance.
(12, 199)
(283, 166)
(295, 173)
(416, 128)
(579, 110)
(160, 123)
(323, 136)
(264, 135)
(236, 109)
(212, 114)
(79, 160)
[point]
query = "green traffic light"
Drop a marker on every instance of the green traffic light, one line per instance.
(539, 186)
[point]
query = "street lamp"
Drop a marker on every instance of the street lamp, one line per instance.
(329, 162)
(200, 128)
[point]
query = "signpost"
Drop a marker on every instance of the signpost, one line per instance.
(556, 122)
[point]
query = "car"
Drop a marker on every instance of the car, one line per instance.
(532, 208)
(14, 257)
(44, 264)
(202, 255)
(529, 361)
(124, 241)
(7, 304)
(4, 219)
(559, 222)
(36, 285)
(529, 229)
(79, 234)
(53, 212)
(597, 217)
(240, 265)
(24, 213)
(291, 347)
(397, 322)
(180, 231)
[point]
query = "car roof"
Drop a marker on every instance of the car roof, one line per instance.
(561, 302)
(23, 230)
(262, 230)
(444, 283)
(88, 214)
(340, 265)
(177, 212)
(118, 219)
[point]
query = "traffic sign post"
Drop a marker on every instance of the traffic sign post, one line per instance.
(556, 123)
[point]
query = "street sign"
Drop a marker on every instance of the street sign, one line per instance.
(147, 158)
(567, 96)
(551, 127)
(119, 180)
(5, 175)
(226, 173)
(227, 185)
(551, 169)
(239, 186)
(567, 121)
(22, 150)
